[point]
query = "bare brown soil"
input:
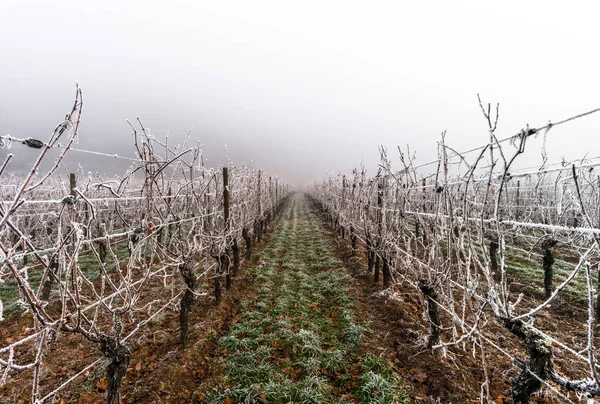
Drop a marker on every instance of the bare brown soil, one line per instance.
(400, 326)
(160, 370)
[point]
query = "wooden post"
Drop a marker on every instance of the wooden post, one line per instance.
(380, 224)
(369, 242)
(598, 288)
(517, 213)
(226, 206)
(547, 261)
(86, 230)
(226, 197)
(271, 200)
(73, 184)
(342, 206)
(424, 229)
(236, 257)
(205, 196)
(24, 245)
(424, 183)
(416, 229)
(170, 226)
(387, 271)
(598, 202)
(259, 226)
(494, 254)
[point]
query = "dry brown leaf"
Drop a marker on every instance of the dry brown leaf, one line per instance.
(85, 398)
(102, 385)
(418, 375)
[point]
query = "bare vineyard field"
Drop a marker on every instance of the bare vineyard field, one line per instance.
(96, 262)
(492, 270)
(505, 260)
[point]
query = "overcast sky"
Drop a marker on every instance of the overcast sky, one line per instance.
(304, 87)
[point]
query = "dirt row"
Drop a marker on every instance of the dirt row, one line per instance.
(300, 340)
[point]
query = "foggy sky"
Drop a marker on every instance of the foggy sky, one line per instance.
(301, 88)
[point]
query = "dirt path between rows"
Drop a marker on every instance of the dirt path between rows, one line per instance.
(310, 326)
(302, 337)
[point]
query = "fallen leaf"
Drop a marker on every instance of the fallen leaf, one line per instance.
(85, 398)
(102, 385)
(418, 375)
